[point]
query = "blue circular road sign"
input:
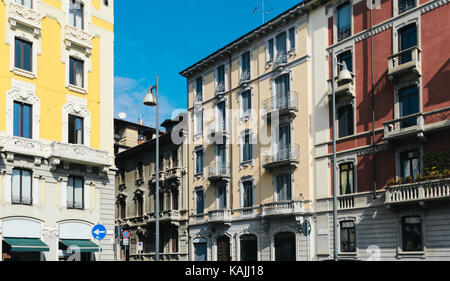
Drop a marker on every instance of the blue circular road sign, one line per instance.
(126, 234)
(306, 228)
(99, 232)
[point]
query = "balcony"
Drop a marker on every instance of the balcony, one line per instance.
(168, 216)
(418, 192)
(173, 174)
(405, 65)
(219, 216)
(282, 157)
(162, 178)
(284, 104)
(24, 15)
(219, 173)
(220, 88)
(218, 129)
(245, 78)
(407, 127)
(282, 208)
(280, 60)
(343, 91)
(247, 212)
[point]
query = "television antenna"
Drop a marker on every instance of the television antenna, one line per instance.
(263, 11)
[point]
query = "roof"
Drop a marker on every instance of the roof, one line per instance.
(128, 123)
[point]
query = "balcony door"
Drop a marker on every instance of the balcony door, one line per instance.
(221, 116)
(409, 104)
(283, 187)
(408, 39)
(284, 141)
(221, 159)
(221, 190)
(282, 86)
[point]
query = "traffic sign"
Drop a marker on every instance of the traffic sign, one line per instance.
(125, 241)
(140, 246)
(306, 228)
(99, 232)
(126, 234)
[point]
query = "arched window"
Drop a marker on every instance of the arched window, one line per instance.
(285, 246)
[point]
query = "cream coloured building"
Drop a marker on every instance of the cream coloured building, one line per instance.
(56, 129)
(249, 145)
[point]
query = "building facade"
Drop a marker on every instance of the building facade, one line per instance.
(56, 165)
(249, 145)
(392, 128)
(136, 193)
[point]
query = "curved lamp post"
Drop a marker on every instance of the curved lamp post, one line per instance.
(151, 100)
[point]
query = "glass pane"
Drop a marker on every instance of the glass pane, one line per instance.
(15, 192)
(72, 71)
(291, 38)
(26, 121)
(70, 184)
(27, 3)
(79, 74)
(281, 43)
(17, 119)
(271, 45)
(79, 130)
(408, 39)
(27, 56)
(78, 193)
(72, 12)
(26, 187)
(79, 15)
(18, 54)
(344, 22)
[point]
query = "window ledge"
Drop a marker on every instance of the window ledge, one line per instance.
(77, 89)
(348, 254)
(416, 254)
(24, 73)
(198, 176)
(269, 63)
(247, 163)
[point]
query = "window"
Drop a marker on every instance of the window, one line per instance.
(220, 79)
(200, 249)
(76, 14)
(246, 100)
(221, 116)
(283, 184)
(75, 193)
(270, 50)
(122, 208)
(345, 120)
(292, 38)
(348, 238)
(198, 122)
(282, 86)
(410, 164)
(346, 58)
(247, 149)
(76, 134)
(175, 200)
(23, 54)
(221, 158)
(199, 202)
(174, 158)
(285, 246)
(21, 187)
(139, 205)
(344, 21)
(26, 3)
(409, 104)
(221, 197)
(199, 162)
(281, 48)
(405, 5)
(22, 120)
(174, 242)
(247, 194)
(199, 89)
(412, 234)
(408, 39)
(249, 247)
(245, 66)
(140, 170)
(161, 202)
(347, 179)
(122, 176)
(76, 72)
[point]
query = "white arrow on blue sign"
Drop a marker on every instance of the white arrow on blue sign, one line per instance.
(99, 232)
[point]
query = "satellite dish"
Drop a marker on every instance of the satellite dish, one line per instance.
(122, 115)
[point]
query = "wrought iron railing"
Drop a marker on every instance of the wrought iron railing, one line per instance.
(245, 76)
(219, 170)
(344, 32)
(281, 59)
(405, 5)
(220, 87)
(282, 101)
(289, 153)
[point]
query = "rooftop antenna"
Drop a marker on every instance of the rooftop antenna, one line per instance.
(262, 11)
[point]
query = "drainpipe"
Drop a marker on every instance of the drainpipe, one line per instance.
(373, 105)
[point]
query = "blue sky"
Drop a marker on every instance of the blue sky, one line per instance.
(165, 37)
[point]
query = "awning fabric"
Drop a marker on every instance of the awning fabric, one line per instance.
(85, 246)
(26, 245)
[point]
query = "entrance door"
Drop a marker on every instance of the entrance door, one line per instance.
(223, 248)
(285, 246)
(249, 248)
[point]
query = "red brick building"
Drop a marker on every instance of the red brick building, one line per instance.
(392, 127)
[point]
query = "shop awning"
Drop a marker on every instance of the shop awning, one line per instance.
(85, 246)
(26, 245)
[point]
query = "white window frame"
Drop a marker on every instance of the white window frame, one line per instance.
(338, 106)
(227, 201)
(76, 106)
(86, 13)
(335, 20)
(25, 93)
(196, 190)
(289, 51)
(76, 53)
(275, 184)
(343, 160)
(242, 191)
(198, 132)
(241, 64)
(243, 116)
(404, 148)
(24, 33)
(241, 147)
(196, 90)
(197, 149)
(216, 76)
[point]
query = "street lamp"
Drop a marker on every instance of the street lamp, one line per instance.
(150, 100)
(344, 77)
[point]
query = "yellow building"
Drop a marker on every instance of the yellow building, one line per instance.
(56, 128)
(249, 174)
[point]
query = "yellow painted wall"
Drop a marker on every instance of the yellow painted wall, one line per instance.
(50, 81)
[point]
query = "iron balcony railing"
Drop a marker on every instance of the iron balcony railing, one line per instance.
(282, 58)
(220, 87)
(405, 5)
(245, 76)
(219, 171)
(281, 102)
(282, 154)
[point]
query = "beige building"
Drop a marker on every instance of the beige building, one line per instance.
(136, 192)
(249, 145)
